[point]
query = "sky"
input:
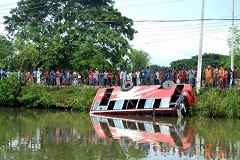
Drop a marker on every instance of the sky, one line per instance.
(162, 31)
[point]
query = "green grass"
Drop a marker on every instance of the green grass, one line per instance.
(217, 103)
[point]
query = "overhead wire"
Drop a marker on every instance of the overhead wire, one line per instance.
(179, 28)
(182, 37)
(146, 4)
(150, 21)
(7, 5)
(227, 5)
(215, 37)
(143, 21)
(37, 7)
(156, 34)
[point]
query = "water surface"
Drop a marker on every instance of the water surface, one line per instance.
(45, 134)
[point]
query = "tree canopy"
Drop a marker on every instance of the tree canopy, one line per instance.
(6, 52)
(71, 34)
(207, 59)
(139, 59)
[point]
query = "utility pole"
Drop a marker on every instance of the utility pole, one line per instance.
(233, 39)
(199, 69)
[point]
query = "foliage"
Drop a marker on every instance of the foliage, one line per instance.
(79, 98)
(184, 63)
(6, 52)
(124, 64)
(32, 56)
(207, 59)
(33, 96)
(68, 34)
(217, 103)
(83, 98)
(8, 89)
(159, 68)
(13, 93)
(139, 59)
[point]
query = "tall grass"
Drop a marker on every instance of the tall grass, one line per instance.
(217, 103)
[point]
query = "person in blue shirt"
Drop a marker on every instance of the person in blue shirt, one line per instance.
(169, 75)
(53, 77)
(148, 75)
(3, 74)
(34, 76)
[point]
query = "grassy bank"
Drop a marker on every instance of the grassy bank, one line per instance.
(15, 93)
(210, 103)
(77, 98)
(216, 103)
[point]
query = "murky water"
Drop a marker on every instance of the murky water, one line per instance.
(44, 134)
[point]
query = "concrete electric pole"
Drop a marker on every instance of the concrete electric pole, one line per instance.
(199, 69)
(233, 39)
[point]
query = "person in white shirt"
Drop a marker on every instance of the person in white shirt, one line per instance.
(157, 76)
(38, 76)
(138, 78)
(124, 76)
(128, 77)
(97, 74)
(121, 78)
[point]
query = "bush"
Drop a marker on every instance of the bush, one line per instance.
(217, 103)
(9, 88)
(34, 96)
(83, 98)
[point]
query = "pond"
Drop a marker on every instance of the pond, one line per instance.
(53, 134)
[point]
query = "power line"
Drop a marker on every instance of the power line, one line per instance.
(166, 2)
(7, 4)
(227, 6)
(122, 2)
(44, 2)
(215, 37)
(160, 34)
(88, 9)
(168, 39)
(79, 1)
(137, 21)
(179, 28)
(188, 20)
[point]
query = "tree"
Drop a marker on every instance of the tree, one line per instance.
(183, 63)
(212, 59)
(6, 52)
(81, 28)
(139, 59)
(207, 59)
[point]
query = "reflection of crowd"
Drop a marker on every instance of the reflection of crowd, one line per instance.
(219, 151)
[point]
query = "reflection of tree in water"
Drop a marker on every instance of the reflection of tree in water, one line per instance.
(218, 138)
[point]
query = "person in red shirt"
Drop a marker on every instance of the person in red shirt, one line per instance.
(90, 76)
(58, 77)
(180, 75)
(110, 76)
(46, 77)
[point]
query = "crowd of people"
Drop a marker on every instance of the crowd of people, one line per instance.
(211, 77)
(221, 77)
